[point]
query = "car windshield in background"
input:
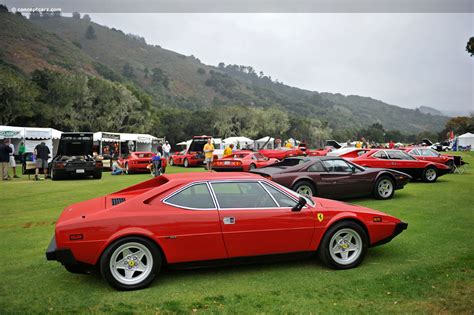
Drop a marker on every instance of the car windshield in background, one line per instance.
(144, 155)
(399, 155)
(239, 156)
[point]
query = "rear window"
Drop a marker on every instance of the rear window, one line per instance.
(194, 197)
(143, 155)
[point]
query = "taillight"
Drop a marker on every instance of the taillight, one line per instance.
(98, 164)
(59, 165)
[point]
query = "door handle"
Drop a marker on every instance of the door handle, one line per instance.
(229, 220)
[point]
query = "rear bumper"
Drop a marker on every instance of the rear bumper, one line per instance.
(399, 228)
(63, 255)
(443, 172)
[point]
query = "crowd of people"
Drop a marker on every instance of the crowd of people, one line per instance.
(7, 159)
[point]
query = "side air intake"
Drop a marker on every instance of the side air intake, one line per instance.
(116, 201)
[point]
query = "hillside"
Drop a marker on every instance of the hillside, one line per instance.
(61, 44)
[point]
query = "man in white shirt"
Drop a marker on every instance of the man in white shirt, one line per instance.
(12, 160)
(166, 151)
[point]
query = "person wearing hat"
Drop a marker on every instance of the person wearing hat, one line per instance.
(5, 151)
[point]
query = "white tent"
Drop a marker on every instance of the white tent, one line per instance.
(130, 141)
(32, 136)
(465, 140)
(270, 143)
(239, 142)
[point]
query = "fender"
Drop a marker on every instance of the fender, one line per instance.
(306, 178)
(318, 235)
(132, 231)
(387, 174)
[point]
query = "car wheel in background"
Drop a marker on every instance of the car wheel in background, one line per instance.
(384, 188)
(126, 170)
(186, 163)
(451, 165)
(430, 175)
(171, 162)
(53, 175)
(97, 175)
(344, 245)
(130, 263)
(252, 167)
(305, 188)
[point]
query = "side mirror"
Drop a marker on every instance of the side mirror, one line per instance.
(301, 203)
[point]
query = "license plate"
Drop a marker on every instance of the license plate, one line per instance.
(80, 171)
(226, 162)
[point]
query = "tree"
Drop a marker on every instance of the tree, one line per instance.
(201, 71)
(90, 32)
(76, 15)
(459, 125)
(159, 77)
(128, 71)
(146, 71)
(86, 17)
(3, 8)
(470, 46)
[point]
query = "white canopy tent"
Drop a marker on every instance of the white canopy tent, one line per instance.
(465, 140)
(116, 143)
(239, 142)
(267, 141)
(31, 137)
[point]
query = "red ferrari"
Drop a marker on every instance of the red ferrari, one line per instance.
(243, 161)
(193, 156)
(402, 162)
(203, 218)
(137, 162)
(428, 154)
(282, 153)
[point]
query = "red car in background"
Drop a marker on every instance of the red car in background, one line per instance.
(283, 152)
(428, 154)
(137, 162)
(193, 156)
(202, 217)
(403, 162)
(242, 161)
(348, 152)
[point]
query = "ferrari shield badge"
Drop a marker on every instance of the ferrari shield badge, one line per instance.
(320, 217)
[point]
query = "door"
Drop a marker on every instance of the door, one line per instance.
(341, 179)
(253, 223)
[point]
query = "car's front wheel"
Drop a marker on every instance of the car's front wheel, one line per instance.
(130, 263)
(186, 163)
(171, 162)
(430, 175)
(451, 165)
(384, 188)
(252, 167)
(344, 245)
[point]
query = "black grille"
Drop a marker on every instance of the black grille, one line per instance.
(116, 201)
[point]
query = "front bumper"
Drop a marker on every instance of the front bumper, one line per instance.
(399, 228)
(62, 255)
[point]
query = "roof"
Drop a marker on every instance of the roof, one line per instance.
(265, 139)
(467, 135)
(238, 139)
(193, 176)
(29, 132)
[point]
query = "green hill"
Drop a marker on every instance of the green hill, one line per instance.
(80, 47)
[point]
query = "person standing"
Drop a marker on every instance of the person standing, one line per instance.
(21, 152)
(42, 155)
(159, 148)
(12, 161)
(166, 151)
(228, 150)
(208, 154)
(156, 161)
(5, 151)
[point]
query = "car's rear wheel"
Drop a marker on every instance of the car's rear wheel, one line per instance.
(171, 162)
(344, 245)
(186, 163)
(430, 175)
(97, 175)
(126, 169)
(53, 175)
(252, 167)
(384, 188)
(130, 263)
(305, 188)
(451, 165)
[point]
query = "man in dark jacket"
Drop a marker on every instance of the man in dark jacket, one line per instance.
(42, 155)
(5, 151)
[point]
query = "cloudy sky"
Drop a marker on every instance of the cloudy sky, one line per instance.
(409, 60)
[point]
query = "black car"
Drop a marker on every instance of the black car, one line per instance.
(334, 177)
(74, 157)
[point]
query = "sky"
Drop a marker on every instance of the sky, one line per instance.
(409, 60)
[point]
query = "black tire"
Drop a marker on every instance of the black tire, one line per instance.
(171, 162)
(53, 175)
(388, 183)
(252, 167)
(97, 175)
(305, 185)
(326, 245)
(126, 170)
(428, 176)
(451, 165)
(186, 163)
(105, 268)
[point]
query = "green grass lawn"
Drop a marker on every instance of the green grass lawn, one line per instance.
(426, 269)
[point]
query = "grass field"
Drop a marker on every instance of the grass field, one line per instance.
(427, 269)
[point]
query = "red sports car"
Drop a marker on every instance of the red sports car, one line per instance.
(137, 162)
(202, 217)
(283, 152)
(241, 161)
(193, 156)
(348, 152)
(428, 154)
(403, 162)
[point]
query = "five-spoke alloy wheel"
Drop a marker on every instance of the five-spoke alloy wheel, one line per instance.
(430, 175)
(384, 188)
(305, 188)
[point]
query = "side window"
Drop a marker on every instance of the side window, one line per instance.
(196, 197)
(282, 199)
(395, 155)
(235, 195)
(316, 167)
(414, 152)
(337, 166)
(380, 155)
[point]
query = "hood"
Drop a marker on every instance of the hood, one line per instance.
(343, 206)
(76, 143)
(197, 145)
